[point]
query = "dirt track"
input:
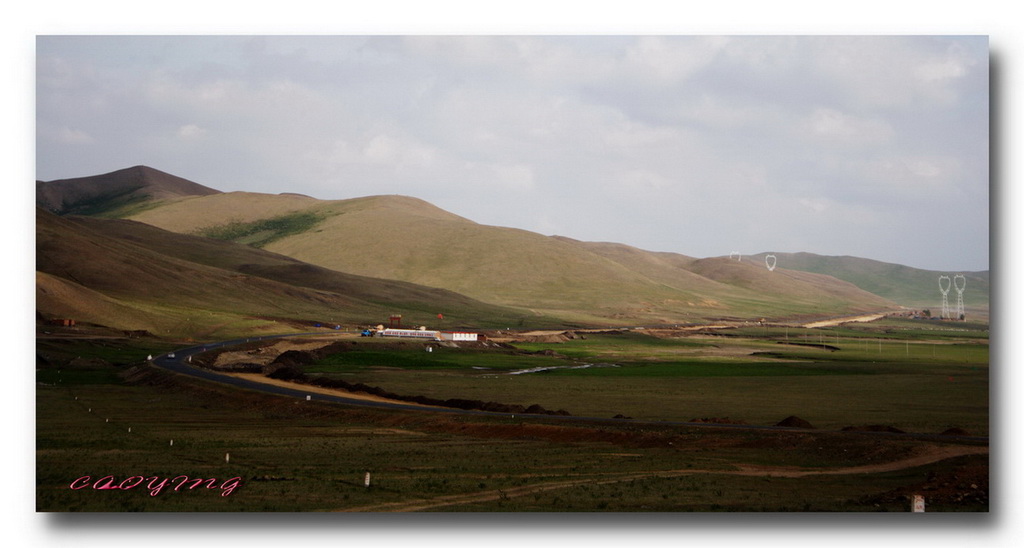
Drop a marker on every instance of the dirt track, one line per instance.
(257, 377)
(847, 319)
(931, 455)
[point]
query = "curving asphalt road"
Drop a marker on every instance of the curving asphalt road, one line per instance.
(177, 362)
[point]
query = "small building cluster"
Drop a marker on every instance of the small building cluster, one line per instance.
(395, 329)
(422, 333)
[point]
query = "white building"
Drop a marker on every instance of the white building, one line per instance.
(458, 336)
(410, 333)
(428, 334)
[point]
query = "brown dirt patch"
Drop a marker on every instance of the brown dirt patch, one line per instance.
(848, 319)
(257, 377)
(793, 421)
(265, 354)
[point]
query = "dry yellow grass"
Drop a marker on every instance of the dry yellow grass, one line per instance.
(194, 213)
(402, 238)
(63, 299)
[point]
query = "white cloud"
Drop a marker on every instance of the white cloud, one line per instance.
(924, 169)
(494, 177)
(953, 63)
(817, 205)
(190, 132)
(836, 126)
(895, 71)
(639, 180)
(663, 60)
(727, 114)
(385, 149)
(926, 177)
(71, 136)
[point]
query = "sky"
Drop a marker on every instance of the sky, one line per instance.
(874, 146)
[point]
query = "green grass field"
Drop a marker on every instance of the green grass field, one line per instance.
(262, 232)
(291, 455)
(916, 384)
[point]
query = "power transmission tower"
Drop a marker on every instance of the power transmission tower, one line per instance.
(944, 288)
(960, 284)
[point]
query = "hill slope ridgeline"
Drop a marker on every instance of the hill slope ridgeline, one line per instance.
(403, 238)
(407, 239)
(128, 275)
(908, 286)
(116, 193)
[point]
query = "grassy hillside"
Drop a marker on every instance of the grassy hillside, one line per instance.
(126, 275)
(407, 239)
(57, 297)
(421, 302)
(746, 283)
(396, 237)
(908, 286)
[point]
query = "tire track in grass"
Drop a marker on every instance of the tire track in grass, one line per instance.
(933, 455)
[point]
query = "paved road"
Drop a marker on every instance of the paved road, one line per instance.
(178, 362)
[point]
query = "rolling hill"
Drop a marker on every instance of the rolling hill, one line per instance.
(402, 238)
(115, 194)
(407, 239)
(130, 276)
(908, 286)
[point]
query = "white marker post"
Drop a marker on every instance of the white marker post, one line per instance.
(366, 480)
(308, 397)
(227, 457)
(918, 504)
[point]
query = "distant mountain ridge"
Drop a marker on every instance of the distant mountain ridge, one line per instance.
(114, 194)
(594, 283)
(903, 284)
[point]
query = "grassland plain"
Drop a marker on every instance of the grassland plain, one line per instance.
(861, 376)
(289, 456)
(99, 414)
(296, 456)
